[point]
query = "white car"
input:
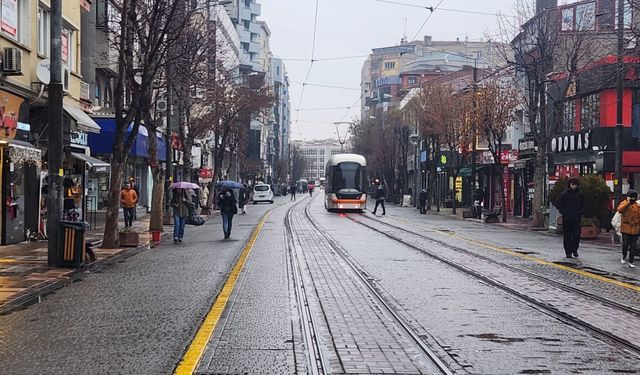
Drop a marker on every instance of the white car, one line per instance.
(262, 193)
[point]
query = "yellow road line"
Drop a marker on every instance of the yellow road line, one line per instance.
(197, 347)
(536, 259)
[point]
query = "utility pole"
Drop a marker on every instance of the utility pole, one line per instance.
(619, 94)
(474, 126)
(55, 150)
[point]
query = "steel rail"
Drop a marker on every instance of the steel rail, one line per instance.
(312, 345)
(550, 310)
(427, 352)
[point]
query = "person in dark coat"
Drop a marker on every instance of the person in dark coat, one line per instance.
(181, 205)
(423, 201)
(242, 199)
(570, 204)
(478, 196)
(292, 190)
(228, 208)
(381, 196)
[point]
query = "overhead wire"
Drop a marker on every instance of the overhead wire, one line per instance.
(306, 79)
(442, 9)
(432, 10)
(326, 86)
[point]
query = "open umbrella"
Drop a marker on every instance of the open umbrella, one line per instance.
(184, 185)
(228, 184)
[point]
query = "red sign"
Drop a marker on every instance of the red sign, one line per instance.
(508, 156)
(206, 173)
(506, 183)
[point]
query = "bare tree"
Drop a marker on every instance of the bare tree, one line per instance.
(144, 31)
(543, 42)
(496, 112)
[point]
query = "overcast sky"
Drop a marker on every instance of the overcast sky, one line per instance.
(352, 28)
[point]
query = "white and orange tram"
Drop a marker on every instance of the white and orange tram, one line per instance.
(345, 183)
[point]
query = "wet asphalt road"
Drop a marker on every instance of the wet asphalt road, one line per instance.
(138, 317)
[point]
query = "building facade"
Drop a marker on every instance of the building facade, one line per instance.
(316, 154)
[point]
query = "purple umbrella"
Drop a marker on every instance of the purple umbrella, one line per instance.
(184, 185)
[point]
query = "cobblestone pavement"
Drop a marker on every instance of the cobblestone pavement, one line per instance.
(135, 317)
(595, 256)
(530, 251)
(257, 330)
(481, 328)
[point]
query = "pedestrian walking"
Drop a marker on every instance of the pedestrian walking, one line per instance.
(310, 188)
(181, 203)
(204, 196)
(381, 196)
(423, 201)
(629, 210)
(478, 198)
(134, 187)
(292, 190)
(570, 204)
(242, 199)
(128, 201)
(228, 208)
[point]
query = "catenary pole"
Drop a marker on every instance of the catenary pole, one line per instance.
(55, 149)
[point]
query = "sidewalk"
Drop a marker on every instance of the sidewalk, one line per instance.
(604, 239)
(25, 276)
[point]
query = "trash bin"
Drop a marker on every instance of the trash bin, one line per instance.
(71, 248)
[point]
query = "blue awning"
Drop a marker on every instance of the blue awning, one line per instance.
(102, 143)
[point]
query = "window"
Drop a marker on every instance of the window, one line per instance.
(44, 17)
(590, 114)
(412, 80)
(245, 46)
(568, 117)
(69, 48)
(628, 15)
(246, 24)
(586, 16)
(247, 3)
(277, 70)
(568, 18)
(12, 20)
(389, 65)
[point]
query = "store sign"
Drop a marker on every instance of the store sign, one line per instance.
(508, 156)
(386, 81)
(526, 145)
(9, 110)
(571, 142)
(10, 17)
(79, 137)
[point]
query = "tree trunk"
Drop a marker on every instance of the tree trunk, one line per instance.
(110, 238)
(538, 194)
(155, 221)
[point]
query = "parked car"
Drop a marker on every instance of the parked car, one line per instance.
(262, 193)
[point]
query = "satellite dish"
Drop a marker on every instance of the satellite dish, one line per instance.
(43, 71)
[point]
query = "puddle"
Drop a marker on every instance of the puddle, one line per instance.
(495, 338)
(524, 252)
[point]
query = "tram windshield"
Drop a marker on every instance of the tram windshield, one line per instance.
(348, 177)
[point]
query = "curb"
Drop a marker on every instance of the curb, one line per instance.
(34, 294)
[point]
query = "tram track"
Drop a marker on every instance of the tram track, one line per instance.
(427, 353)
(545, 307)
(317, 361)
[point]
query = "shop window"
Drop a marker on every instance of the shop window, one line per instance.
(568, 117)
(590, 114)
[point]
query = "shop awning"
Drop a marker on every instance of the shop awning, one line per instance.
(91, 161)
(466, 171)
(102, 144)
(83, 120)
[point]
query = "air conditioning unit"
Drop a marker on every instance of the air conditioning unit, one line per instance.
(12, 61)
(65, 79)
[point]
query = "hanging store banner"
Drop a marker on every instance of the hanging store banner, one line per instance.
(10, 17)
(9, 111)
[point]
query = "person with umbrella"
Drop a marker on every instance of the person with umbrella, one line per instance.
(228, 208)
(180, 203)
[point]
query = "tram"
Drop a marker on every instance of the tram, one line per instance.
(345, 183)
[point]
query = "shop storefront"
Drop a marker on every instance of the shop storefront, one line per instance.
(137, 168)
(20, 164)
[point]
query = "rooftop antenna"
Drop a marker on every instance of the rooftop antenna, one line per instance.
(404, 33)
